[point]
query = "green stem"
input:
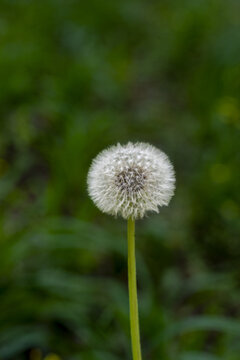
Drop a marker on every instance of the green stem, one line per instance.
(132, 286)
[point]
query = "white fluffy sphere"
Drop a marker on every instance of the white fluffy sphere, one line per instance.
(131, 179)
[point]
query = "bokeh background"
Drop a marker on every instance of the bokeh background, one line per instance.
(76, 77)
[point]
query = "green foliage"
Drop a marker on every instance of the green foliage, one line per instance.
(77, 77)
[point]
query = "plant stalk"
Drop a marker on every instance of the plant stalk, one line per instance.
(132, 287)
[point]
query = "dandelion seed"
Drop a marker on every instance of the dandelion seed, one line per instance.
(130, 180)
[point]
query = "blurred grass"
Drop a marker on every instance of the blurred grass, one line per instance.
(75, 78)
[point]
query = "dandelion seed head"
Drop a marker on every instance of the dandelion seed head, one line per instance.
(129, 180)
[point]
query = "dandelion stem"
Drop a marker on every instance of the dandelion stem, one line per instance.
(132, 286)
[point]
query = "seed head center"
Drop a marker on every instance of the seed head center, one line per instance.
(131, 180)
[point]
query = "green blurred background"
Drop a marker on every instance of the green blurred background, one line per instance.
(76, 77)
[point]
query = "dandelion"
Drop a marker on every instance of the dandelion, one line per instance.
(129, 181)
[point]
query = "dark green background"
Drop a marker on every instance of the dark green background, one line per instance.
(76, 77)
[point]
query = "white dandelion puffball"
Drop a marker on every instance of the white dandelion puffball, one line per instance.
(131, 179)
